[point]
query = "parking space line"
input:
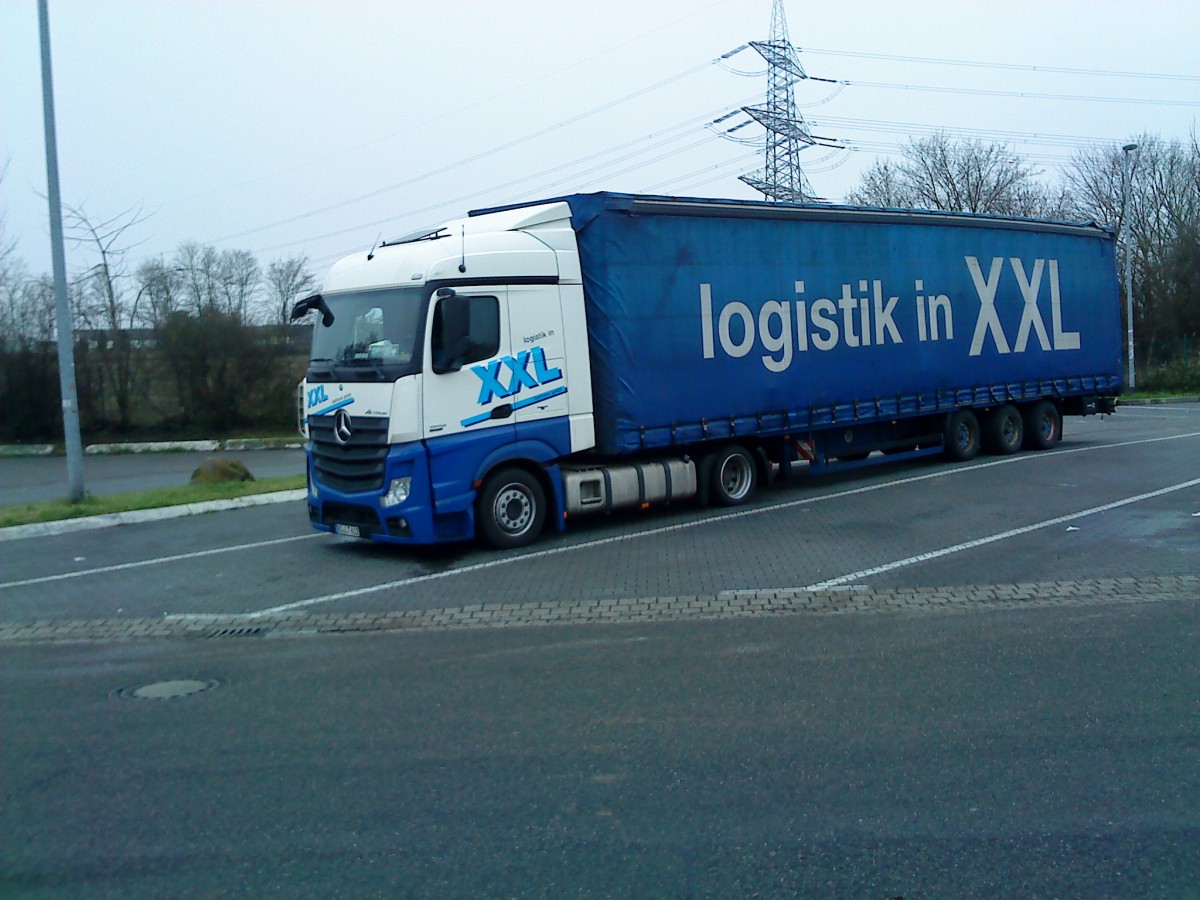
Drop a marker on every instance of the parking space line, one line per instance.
(121, 567)
(682, 526)
(584, 545)
(991, 539)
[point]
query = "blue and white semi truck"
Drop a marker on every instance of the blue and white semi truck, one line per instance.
(536, 362)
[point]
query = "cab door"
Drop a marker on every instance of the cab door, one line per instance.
(539, 360)
(466, 388)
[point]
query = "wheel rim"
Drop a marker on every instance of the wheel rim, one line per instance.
(513, 509)
(736, 476)
(966, 436)
(1046, 427)
(1008, 430)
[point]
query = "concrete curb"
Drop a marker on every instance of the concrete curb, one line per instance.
(151, 447)
(726, 605)
(233, 444)
(108, 520)
(26, 449)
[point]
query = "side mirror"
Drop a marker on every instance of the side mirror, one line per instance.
(451, 332)
(308, 304)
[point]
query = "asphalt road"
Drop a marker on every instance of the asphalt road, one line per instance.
(1024, 753)
(992, 690)
(1115, 500)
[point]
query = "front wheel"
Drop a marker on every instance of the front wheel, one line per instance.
(510, 509)
(734, 476)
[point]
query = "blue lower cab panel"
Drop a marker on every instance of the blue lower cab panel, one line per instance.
(441, 501)
(360, 514)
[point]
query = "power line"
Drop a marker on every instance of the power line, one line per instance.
(1024, 95)
(1023, 137)
(454, 113)
(1057, 70)
(491, 189)
(470, 159)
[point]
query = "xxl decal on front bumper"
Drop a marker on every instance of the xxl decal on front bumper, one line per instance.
(518, 377)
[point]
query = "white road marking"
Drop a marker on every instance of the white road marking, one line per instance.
(121, 567)
(584, 545)
(991, 539)
(666, 529)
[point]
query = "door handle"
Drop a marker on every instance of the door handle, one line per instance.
(503, 411)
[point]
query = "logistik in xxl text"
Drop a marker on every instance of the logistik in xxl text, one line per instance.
(869, 317)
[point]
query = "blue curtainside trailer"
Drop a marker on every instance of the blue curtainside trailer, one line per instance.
(589, 352)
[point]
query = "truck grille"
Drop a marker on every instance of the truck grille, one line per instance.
(356, 465)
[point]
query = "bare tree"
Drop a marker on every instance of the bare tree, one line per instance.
(287, 279)
(211, 280)
(240, 280)
(106, 305)
(1162, 213)
(883, 184)
(960, 176)
(159, 285)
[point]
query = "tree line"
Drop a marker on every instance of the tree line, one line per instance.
(199, 343)
(191, 345)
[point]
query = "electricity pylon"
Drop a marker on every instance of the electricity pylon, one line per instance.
(781, 178)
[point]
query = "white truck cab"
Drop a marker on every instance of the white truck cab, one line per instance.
(439, 359)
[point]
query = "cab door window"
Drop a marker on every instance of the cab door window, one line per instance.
(466, 329)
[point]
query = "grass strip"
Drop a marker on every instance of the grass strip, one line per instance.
(53, 510)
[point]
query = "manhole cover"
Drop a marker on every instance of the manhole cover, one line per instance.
(167, 690)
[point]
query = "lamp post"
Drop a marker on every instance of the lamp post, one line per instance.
(66, 350)
(1125, 177)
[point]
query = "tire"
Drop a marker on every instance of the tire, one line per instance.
(1003, 430)
(961, 439)
(1043, 425)
(510, 509)
(734, 476)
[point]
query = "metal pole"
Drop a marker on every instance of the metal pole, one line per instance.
(1126, 150)
(66, 349)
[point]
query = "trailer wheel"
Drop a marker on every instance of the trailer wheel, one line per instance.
(510, 509)
(734, 476)
(1043, 425)
(961, 439)
(1003, 430)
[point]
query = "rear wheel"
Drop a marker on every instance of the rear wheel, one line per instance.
(510, 509)
(1003, 430)
(734, 476)
(961, 440)
(1043, 425)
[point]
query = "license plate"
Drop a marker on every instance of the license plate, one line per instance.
(348, 530)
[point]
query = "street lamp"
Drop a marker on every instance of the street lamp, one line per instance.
(1125, 177)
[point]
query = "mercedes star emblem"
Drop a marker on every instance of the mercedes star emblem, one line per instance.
(341, 427)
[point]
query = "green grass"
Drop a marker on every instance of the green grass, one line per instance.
(53, 510)
(1157, 395)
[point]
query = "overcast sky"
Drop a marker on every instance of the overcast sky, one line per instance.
(290, 127)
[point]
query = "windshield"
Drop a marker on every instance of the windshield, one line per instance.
(375, 335)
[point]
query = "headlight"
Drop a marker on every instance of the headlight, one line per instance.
(397, 491)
